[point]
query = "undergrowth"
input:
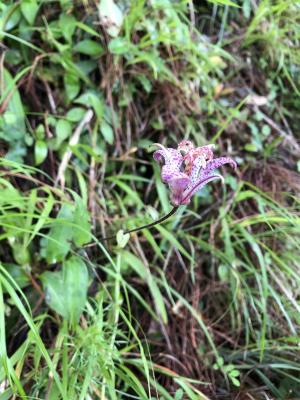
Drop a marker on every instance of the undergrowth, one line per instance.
(203, 306)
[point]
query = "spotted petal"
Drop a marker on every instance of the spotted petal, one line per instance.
(200, 177)
(177, 185)
(171, 158)
(200, 184)
(217, 163)
(167, 155)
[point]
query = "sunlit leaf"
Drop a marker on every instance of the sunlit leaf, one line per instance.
(40, 151)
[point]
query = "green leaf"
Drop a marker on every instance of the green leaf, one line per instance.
(234, 373)
(76, 114)
(179, 394)
(10, 196)
(18, 274)
(82, 225)
(40, 151)
(122, 238)
(107, 132)
(21, 254)
(66, 290)
(67, 24)
(72, 224)
(92, 99)
(58, 243)
(266, 130)
(13, 121)
(72, 85)
(251, 147)
(119, 46)
(235, 382)
(29, 9)
(89, 47)
(63, 131)
(9, 17)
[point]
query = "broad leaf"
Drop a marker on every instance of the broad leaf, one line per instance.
(66, 290)
(107, 132)
(67, 24)
(89, 47)
(119, 46)
(82, 226)
(122, 238)
(72, 224)
(58, 242)
(40, 151)
(29, 9)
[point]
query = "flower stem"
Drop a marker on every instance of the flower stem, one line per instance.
(159, 221)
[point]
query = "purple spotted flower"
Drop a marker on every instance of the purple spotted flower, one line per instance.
(187, 169)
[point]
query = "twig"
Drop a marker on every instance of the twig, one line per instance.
(72, 142)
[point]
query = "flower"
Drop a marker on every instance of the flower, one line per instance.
(188, 169)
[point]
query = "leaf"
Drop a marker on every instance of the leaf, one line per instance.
(72, 224)
(76, 114)
(107, 132)
(67, 24)
(82, 226)
(89, 47)
(21, 254)
(40, 151)
(235, 382)
(92, 99)
(41, 220)
(29, 9)
(72, 85)
(18, 274)
(63, 131)
(122, 238)
(13, 127)
(9, 17)
(119, 46)
(66, 290)
(58, 243)
(111, 17)
(10, 196)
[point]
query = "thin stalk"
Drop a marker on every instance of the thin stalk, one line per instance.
(147, 226)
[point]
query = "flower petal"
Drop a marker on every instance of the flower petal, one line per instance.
(178, 184)
(172, 159)
(217, 163)
(197, 165)
(186, 198)
(167, 155)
